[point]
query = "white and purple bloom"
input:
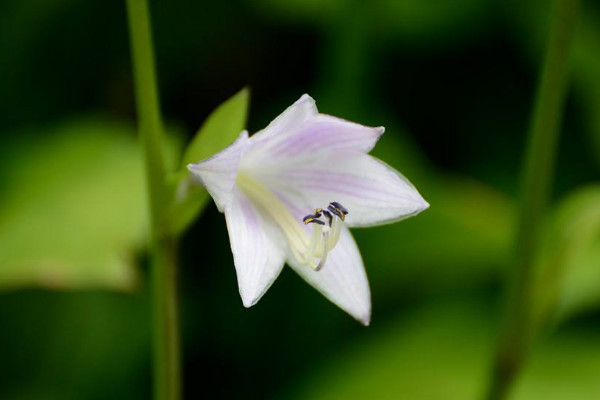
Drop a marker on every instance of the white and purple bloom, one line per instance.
(291, 191)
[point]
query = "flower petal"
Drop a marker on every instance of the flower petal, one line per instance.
(373, 192)
(288, 121)
(258, 251)
(343, 279)
(219, 172)
(301, 133)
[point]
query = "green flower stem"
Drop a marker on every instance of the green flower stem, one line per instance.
(163, 248)
(520, 328)
(167, 366)
(146, 93)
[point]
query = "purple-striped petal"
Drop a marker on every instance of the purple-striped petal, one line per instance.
(343, 279)
(219, 172)
(257, 247)
(295, 116)
(372, 191)
(302, 134)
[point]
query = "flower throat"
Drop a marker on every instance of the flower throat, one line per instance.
(310, 250)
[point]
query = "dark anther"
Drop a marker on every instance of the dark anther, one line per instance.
(339, 207)
(313, 218)
(334, 208)
(335, 211)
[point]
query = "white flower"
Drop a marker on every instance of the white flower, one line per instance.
(268, 183)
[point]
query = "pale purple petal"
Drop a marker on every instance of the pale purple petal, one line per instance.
(304, 135)
(288, 121)
(343, 279)
(258, 251)
(325, 133)
(372, 191)
(219, 172)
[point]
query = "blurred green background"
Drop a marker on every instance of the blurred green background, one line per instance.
(453, 82)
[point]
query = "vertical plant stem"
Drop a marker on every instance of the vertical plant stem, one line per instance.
(519, 329)
(146, 94)
(167, 370)
(163, 249)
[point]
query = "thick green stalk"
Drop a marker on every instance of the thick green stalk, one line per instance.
(520, 327)
(162, 249)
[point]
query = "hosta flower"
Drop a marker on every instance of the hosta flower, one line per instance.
(291, 191)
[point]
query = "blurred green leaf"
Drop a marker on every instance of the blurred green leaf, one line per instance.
(443, 345)
(443, 352)
(569, 273)
(72, 213)
(189, 200)
(564, 367)
(220, 129)
(94, 345)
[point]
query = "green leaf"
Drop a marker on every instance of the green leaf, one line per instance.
(444, 352)
(220, 129)
(189, 201)
(72, 214)
(569, 270)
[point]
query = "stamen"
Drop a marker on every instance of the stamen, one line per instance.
(324, 242)
(324, 236)
(313, 221)
(311, 217)
(339, 207)
(336, 212)
(333, 234)
(316, 245)
(328, 215)
(321, 262)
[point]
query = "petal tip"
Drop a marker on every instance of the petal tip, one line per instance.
(249, 301)
(250, 293)
(196, 171)
(378, 131)
(306, 97)
(365, 320)
(192, 167)
(362, 311)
